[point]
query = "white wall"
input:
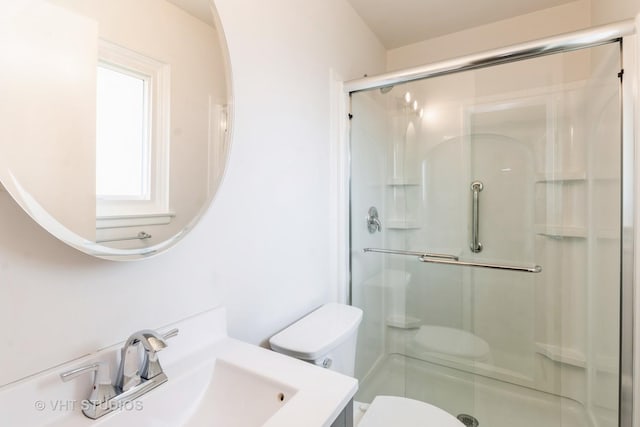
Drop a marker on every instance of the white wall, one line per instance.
(606, 11)
(262, 249)
(281, 55)
(532, 26)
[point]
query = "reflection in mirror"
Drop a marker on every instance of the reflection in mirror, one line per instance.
(114, 118)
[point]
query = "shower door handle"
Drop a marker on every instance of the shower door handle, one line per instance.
(476, 188)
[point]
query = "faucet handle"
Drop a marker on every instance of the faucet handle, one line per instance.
(151, 365)
(170, 334)
(103, 390)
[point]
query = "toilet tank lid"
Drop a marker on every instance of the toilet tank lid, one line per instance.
(318, 332)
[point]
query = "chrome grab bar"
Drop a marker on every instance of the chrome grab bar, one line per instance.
(534, 269)
(476, 188)
(410, 253)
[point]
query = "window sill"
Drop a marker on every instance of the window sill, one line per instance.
(119, 221)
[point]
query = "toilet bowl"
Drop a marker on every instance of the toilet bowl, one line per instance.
(327, 337)
(395, 411)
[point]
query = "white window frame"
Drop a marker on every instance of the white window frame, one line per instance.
(127, 211)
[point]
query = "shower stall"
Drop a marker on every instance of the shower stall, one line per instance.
(489, 225)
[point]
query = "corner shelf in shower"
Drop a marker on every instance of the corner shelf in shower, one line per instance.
(566, 356)
(559, 231)
(561, 177)
(401, 224)
(402, 182)
(401, 321)
(606, 178)
(608, 233)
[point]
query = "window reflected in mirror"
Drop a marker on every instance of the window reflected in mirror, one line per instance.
(122, 135)
(132, 108)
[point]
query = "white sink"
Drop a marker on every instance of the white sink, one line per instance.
(237, 397)
(213, 381)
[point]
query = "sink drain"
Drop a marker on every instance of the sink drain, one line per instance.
(468, 420)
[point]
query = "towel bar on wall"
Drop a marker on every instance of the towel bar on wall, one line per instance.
(140, 236)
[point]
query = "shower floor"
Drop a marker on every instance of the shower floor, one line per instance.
(493, 403)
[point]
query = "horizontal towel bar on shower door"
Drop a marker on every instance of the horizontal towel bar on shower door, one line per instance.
(410, 253)
(437, 260)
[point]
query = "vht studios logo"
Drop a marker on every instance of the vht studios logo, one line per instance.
(60, 405)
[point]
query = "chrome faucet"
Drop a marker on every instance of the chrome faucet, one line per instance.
(135, 377)
(132, 372)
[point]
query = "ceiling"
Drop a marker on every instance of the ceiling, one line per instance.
(401, 22)
(198, 8)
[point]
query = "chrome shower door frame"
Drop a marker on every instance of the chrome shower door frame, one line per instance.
(629, 411)
(624, 33)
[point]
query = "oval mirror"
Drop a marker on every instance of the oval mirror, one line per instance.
(114, 119)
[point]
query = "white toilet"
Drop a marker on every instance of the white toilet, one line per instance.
(327, 337)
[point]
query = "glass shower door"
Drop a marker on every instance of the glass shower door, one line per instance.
(511, 167)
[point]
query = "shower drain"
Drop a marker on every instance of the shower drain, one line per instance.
(468, 420)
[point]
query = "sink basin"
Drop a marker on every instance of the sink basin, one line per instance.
(237, 397)
(214, 380)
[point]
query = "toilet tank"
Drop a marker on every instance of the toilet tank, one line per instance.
(326, 337)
